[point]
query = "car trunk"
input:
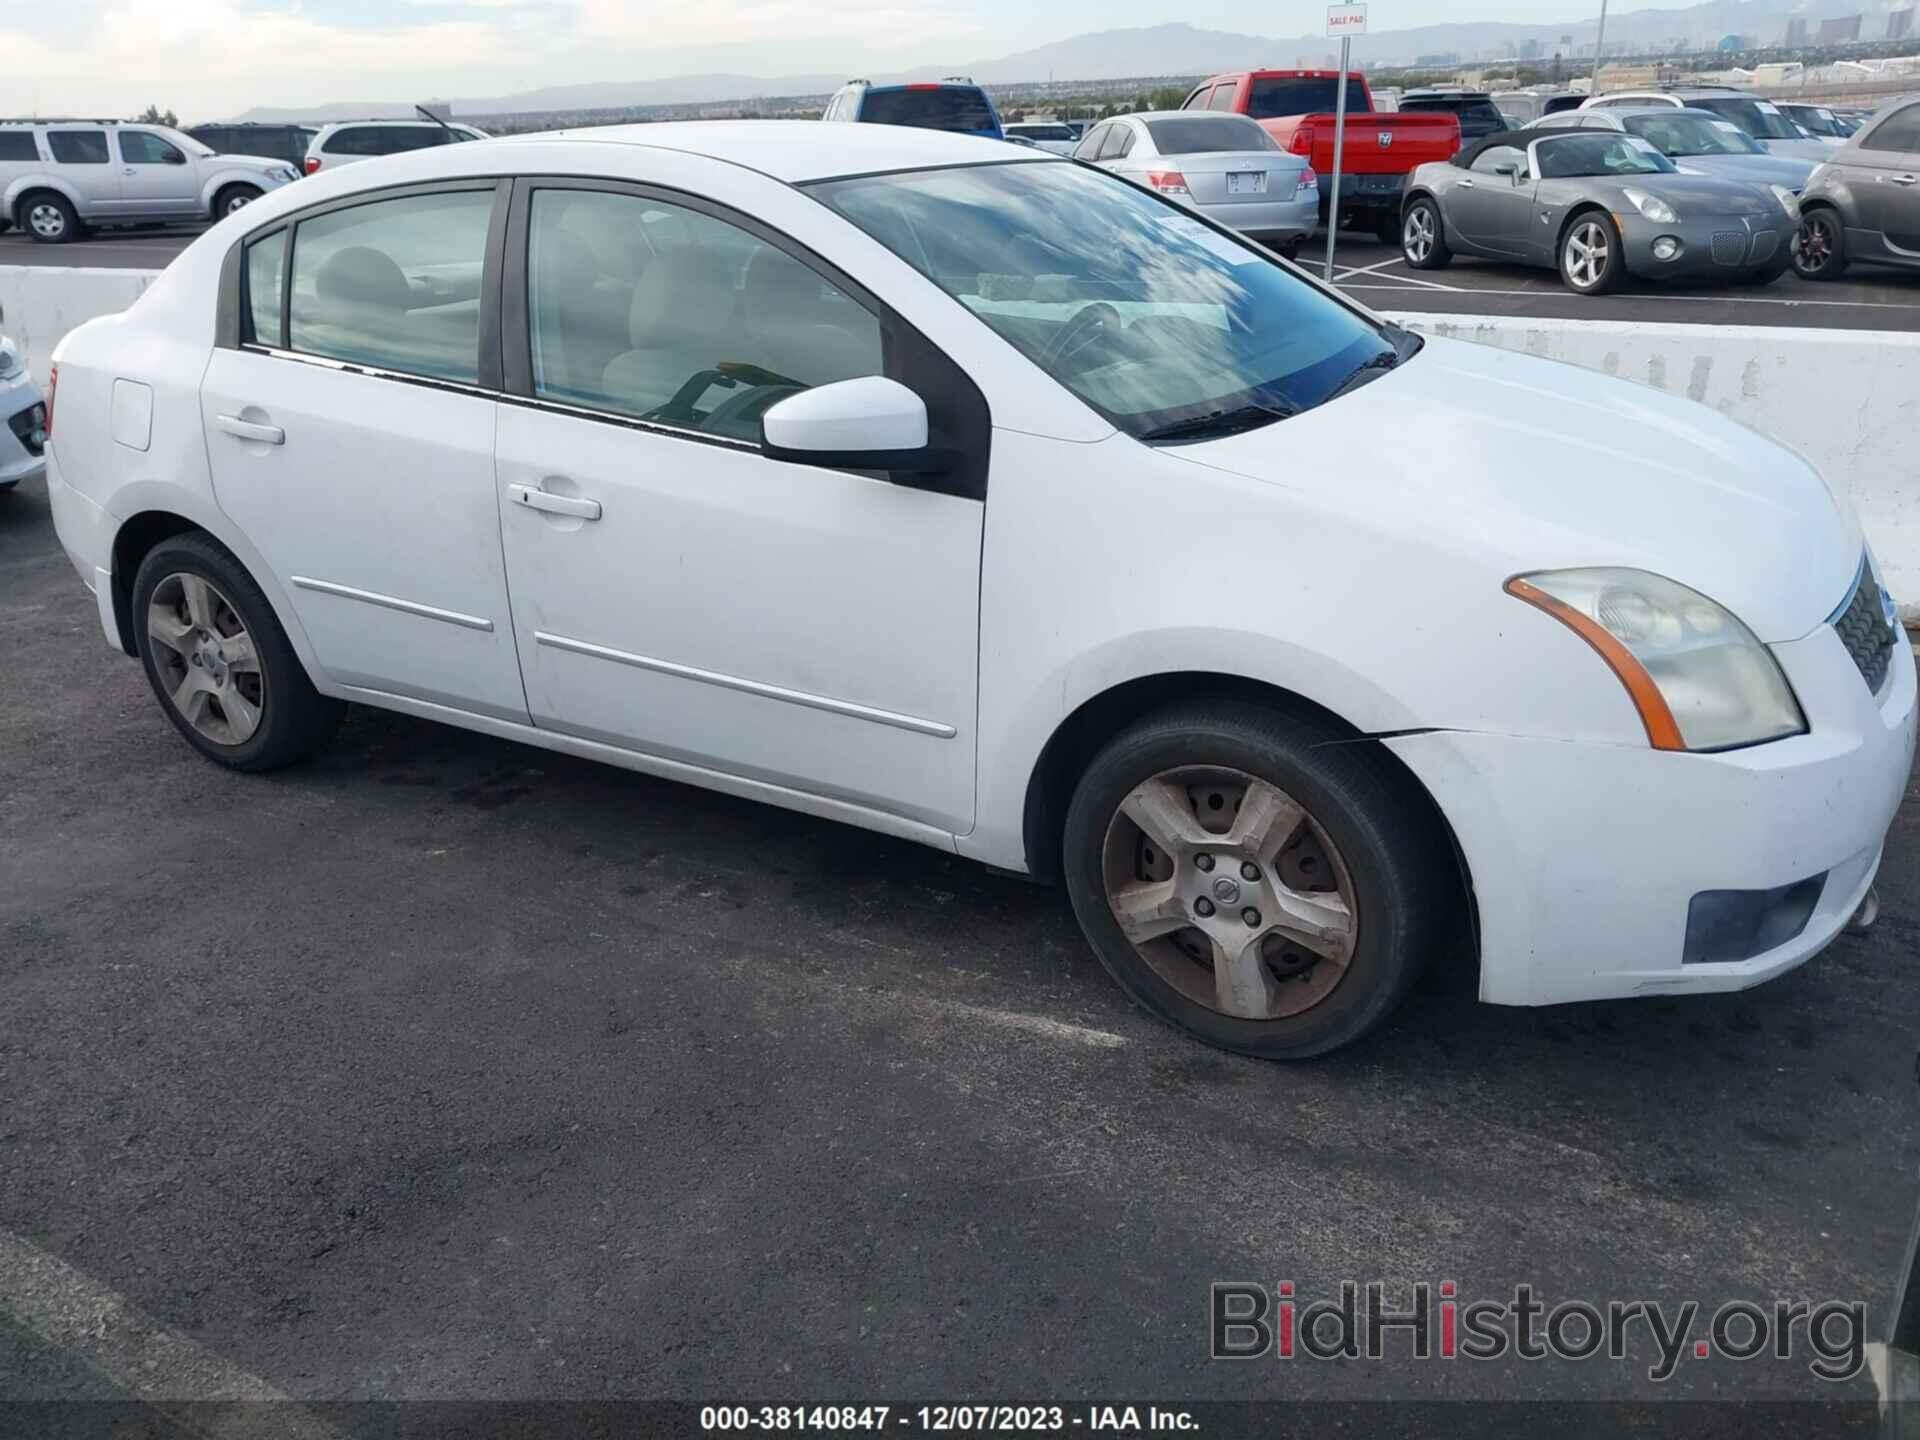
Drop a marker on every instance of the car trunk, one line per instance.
(1232, 177)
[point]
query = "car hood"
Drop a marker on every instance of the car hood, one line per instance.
(1800, 149)
(1710, 194)
(251, 162)
(1756, 169)
(1527, 464)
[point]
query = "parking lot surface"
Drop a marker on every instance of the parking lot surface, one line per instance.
(143, 249)
(443, 1067)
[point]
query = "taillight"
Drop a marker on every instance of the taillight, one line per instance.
(313, 164)
(1302, 141)
(1167, 182)
(53, 383)
(1309, 179)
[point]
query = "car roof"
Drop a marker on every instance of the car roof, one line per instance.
(800, 150)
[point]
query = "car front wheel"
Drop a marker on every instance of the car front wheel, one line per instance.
(233, 199)
(1261, 888)
(1591, 258)
(1820, 249)
(219, 661)
(1423, 239)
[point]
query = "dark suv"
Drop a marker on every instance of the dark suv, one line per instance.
(1863, 204)
(276, 142)
(1479, 117)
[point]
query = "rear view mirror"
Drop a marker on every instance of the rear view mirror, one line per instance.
(871, 423)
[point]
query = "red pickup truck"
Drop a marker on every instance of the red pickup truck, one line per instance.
(1297, 108)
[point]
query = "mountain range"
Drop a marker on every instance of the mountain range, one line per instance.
(1172, 49)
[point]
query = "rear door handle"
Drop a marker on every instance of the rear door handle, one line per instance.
(535, 498)
(249, 430)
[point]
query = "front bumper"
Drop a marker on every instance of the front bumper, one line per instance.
(1585, 858)
(22, 416)
(1711, 245)
(1272, 220)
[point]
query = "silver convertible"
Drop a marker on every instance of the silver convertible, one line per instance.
(1599, 206)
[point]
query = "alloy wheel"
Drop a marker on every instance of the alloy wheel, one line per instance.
(47, 221)
(1230, 890)
(239, 202)
(207, 662)
(1587, 253)
(1418, 239)
(1815, 245)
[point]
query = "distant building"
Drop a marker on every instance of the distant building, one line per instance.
(1730, 44)
(1530, 50)
(1843, 31)
(1797, 32)
(1437, 62)
(1900, 23)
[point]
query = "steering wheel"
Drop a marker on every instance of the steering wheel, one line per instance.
(1088, 325)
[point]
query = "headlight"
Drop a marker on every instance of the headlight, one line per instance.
(1789, 201)
(1698, 677)
(1652, 206)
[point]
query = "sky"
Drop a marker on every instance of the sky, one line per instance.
(206, 59)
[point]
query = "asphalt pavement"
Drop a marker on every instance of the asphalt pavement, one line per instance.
(444, 1068)
(143, 249)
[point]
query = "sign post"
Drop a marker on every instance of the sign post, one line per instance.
(1346, 21)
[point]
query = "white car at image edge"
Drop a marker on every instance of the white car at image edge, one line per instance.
(983, 499)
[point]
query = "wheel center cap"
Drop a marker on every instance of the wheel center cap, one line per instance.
(1227, 890)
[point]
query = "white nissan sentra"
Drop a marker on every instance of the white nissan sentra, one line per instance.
(984, 499)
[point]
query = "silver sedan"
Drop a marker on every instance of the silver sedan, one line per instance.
(1224, 166)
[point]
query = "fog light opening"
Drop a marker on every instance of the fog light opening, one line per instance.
(1666, 247)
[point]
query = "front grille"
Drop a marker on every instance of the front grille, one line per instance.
(30, 428)
(1863, 629)
(1764, 244)
(1729, 247)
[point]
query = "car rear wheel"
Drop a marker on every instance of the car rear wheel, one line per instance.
(218, 659)
(1820, 249)
(1591, 255)
(1423, 238)
(1264, 890)
(232, 199)
(49, 218)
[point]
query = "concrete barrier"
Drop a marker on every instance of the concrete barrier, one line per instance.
(39, 306)
(1848, 400)
(1845, 399)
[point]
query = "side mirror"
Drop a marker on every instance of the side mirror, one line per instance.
(1508, 168)
(174, 157)
(871, 423)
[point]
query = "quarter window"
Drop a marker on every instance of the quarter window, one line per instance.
(78, 147)
(702, 327)
(394, 284)
(138, 147)
(17, 145)
(265, 261)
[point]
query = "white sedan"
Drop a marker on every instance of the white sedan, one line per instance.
(976, 497)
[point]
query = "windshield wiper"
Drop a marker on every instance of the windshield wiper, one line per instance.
(1365, 371)
(1220, 422)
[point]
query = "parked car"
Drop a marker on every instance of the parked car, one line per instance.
(1288, 704)
(1053, 136)
(61, 178)
(1761, 119)
(346, 142)
(1479, 117)
(287, 143)
(1599, 206)
(955, 104)
(1298, 108)
(1863, 205)
(1816, 121)
(1224, 166)
(23, 436)
(1697, 141)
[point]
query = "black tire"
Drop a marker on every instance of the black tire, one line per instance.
(1820, 249)
(56, 223)
(1607, 273)
(294, 718)
(232, 198)
(1437, 254)
(1386, 841)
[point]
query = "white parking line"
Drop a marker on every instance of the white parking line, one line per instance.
(1716, 298)
(67, 1309)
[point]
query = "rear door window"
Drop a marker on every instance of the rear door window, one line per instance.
(1224, 96)
(78, 147)
(941, 107)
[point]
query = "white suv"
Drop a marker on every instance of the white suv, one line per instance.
(59, 178)
(346, 141)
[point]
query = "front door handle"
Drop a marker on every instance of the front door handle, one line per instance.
(535, 498)
(1904, 179)
(251, 430)
(1466, 184)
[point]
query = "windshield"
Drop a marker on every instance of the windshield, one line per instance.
(1154, 318)
(1198, 135)
(1595, 153)
(1302, 95)
(931, 107)
(1692, 135)
(1758, 118)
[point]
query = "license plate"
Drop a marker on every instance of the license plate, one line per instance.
(1382, 183)
(1246, 182)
